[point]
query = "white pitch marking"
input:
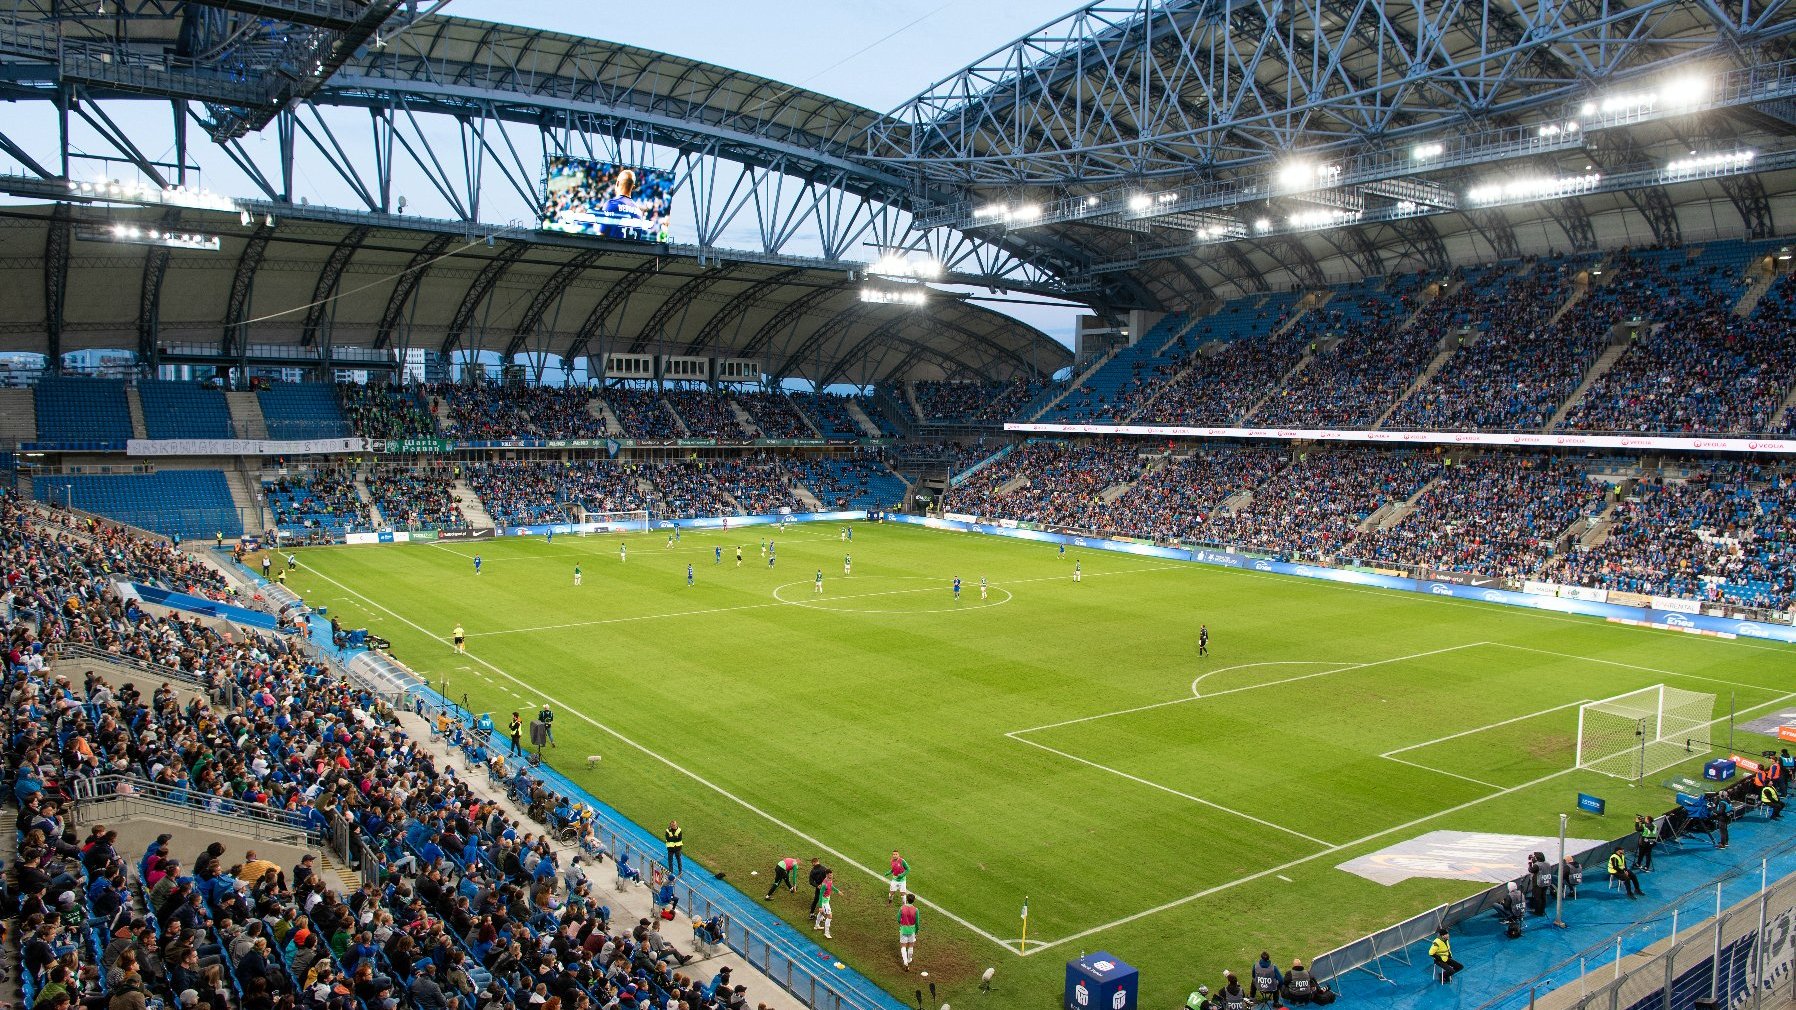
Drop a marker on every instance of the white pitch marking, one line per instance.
(1636, 666)
(788, 603)
(1232, 690)
(1480, 729)
(1286, 879)
(1301, 860)
(694, 776)
(1172, 791)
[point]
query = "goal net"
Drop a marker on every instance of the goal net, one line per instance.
(1633, 735)
(628, 521)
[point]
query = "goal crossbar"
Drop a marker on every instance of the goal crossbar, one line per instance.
(1634, 734)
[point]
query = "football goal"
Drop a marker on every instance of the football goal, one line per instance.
(1633, 735)
(627, 521)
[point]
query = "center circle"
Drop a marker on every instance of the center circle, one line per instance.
(920, 594)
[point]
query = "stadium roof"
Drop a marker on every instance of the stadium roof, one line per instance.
(382, 282)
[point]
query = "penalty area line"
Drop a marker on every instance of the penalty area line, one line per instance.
(1278, 871)
(675, 766)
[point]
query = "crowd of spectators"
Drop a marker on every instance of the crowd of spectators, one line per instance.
(1516, 367)
(1500, 515)
(416, 498)
(1362, 359)
(321, 498)
(689, 488)
(1049, 482)
(379, 410)
(707, 414)
(760, 485)
(522, 493)
(962, 402)
(641, 412)
(1721, 533)
(1219, 383)
(840, 482)
(775, 415)
(830, 413)
(1693, 366)
(1175, 500)
(465, 907)
(479, 412)
(1314, 507)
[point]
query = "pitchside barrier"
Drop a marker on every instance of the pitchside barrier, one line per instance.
(1645, 616)
(1394, 945)
(764, 940)
(1738, 957)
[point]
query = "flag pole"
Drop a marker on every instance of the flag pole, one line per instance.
(1023, 947)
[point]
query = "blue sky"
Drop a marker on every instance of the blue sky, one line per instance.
(913, 42)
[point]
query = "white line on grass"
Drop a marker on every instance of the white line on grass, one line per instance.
(1343, 668)
(694, 776)
(1443, 771)
(1636, 666)
(1480, 729)
(1277, 871)
(1017, 734)
(790, 603)
(1168, 789)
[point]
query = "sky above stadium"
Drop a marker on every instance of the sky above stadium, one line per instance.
(875, 53)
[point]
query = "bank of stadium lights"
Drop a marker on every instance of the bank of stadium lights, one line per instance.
(191, 197)
(1532, 188)
(1300, 175)
(911, 295)
(1686, 91)
(1427, 152)
(900, 268)
(131, 234)
(1021, 213)
(1323, 217)
(1697, 164)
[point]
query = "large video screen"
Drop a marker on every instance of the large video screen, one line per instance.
(607, 199)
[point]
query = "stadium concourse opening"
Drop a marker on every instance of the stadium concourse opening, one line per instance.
(614, 531)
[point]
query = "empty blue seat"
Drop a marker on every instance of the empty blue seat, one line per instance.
(191, 503)
(302, 410)
(81, 410)
(184, 410)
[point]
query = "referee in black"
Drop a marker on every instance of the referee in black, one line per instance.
(818, 872)
(1203, 639)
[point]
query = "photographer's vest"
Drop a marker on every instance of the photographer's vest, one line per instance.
(1235, 1000)
(1265, 979)
(1649, 832)
(1300, 981)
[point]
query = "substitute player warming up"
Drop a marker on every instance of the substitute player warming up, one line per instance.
(907, 931)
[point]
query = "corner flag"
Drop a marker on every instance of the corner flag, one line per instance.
(1023, 946)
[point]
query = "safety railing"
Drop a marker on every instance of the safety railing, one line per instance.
(187, 806)
(777, 957)
(78, 653)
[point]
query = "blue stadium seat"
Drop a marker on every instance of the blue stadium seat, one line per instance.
(303, 410)
(184, 410)
(192, 503)
(81, 410)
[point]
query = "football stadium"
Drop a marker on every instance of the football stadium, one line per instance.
(1224, 503)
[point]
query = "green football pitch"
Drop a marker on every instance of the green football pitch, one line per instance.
(1056, 741)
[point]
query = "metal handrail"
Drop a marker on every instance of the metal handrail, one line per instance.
(81, 651)
(131, 787)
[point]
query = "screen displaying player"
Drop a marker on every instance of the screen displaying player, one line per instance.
(607, 199)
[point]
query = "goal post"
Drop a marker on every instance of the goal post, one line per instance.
(1633, 735)
(625, 521)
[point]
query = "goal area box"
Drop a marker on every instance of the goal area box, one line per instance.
(1633, 735)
